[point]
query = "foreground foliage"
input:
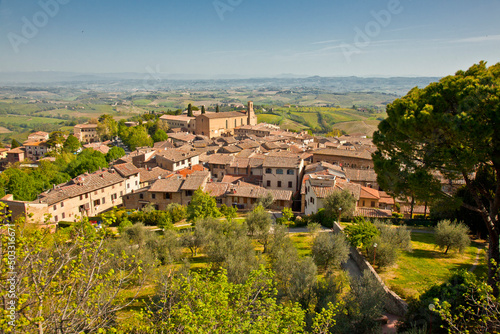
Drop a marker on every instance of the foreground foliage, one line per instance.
(66, 282)
(207, 303)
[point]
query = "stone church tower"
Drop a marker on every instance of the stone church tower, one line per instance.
(252, 118)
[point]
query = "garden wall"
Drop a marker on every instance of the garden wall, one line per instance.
(393, 303)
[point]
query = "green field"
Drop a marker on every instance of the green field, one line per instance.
(268, 118)
(416, 271)
(366, 127)
(28, 120)
(142, 102)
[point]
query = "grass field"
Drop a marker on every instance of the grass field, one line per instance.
(303, 243)
(366, 127)
(142, 102)
(426, 266)
(268, 118)
(28, 120)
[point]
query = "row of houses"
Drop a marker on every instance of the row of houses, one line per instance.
(298, 170)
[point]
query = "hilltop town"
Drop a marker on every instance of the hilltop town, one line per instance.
(226, 154)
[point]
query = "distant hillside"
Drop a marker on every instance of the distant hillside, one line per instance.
(162, 81)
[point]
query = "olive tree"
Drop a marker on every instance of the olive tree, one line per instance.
(452, 235)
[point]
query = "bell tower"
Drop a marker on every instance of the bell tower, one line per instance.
(251, 118)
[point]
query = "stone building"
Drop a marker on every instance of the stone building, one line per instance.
(85, 195)
(281, 172)
(86, 133)
(184, 123)
(176, 160)
(17, 154)
(346, 158)
(38, 136)
(36, 149)
(317, 187)
(162, 192)
(224, 123)
(244, 195)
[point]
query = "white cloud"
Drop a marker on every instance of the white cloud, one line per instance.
(478, 39)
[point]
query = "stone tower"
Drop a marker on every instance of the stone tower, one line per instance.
(252, 118)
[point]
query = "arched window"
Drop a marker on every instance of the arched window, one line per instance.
(235, 123)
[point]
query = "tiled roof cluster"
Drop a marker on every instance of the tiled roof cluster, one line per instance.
(80, 185)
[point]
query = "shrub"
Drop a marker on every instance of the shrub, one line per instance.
(361, 233)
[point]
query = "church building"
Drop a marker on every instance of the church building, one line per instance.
(223, 124)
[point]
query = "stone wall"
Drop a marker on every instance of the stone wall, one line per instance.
(393, 303)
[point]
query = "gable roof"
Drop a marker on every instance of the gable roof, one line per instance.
(126, 169)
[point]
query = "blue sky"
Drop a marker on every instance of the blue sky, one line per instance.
(250, 38)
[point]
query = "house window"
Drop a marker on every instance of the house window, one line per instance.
(141, 196)
(373, 204)
(153, 196)
(279, 171)
(312, 200)
(95, 192)
(268, 183)
(97, 202)
(121, 193)
(62, 204)
(128, 185)
(103, 200)
(268, 171)
(102, 190)
(363, 203)
(55, 207)
(166, 196)
(63, 215)
(279, 184)
(135, 182)
(189, 193)
(290, 184)
(86, 195)
(56, 218)
(290, 172)
(81, 197)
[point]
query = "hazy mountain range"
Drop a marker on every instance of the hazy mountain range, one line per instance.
(160, 81)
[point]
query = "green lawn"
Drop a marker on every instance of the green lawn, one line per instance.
(416, 271)
(303, 243)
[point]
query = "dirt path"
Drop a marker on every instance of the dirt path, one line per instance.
(476, 260)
